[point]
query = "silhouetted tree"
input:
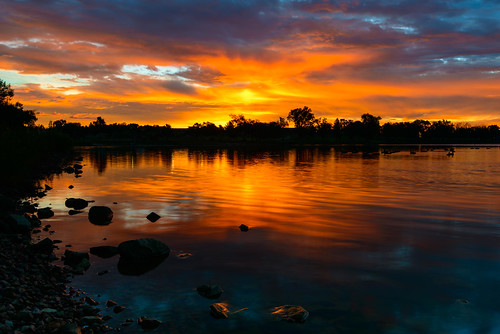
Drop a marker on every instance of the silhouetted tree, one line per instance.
(301, 117)
(371, 125)
(13, 115)
(99, 122)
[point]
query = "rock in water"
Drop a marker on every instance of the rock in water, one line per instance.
(100, 215)
(153, 217)
(244, 228)
(140, 256)
(210, 291)
(76, 203)
(78, 261)
(77, 166)
(44, 246)
(74, 212)
(15, 224)
(45, 213)
(219, 310)
(104, 251)
(291, 313)
(148, 323)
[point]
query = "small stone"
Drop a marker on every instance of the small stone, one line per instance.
(153, 217)
(91, 301)
(244, 228)
(148, 323)
(219, 310)
(210, 291)
(71, 186)
(118, 308)
(291, 313)
(110, 303)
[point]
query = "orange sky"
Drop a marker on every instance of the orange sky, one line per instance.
(178, 63)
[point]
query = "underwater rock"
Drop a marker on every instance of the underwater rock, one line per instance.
(210, 291)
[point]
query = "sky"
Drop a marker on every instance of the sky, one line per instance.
(186, 61)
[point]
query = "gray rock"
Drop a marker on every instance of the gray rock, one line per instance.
(291, 313)
(100, 215)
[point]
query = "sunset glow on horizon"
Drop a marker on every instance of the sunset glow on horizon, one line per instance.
(181, 62)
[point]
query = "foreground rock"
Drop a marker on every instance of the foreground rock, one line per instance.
(33, 294)
(210, 291)
(13, 224)
(45, 213)
(291, 313)
(140, 256)
(100, 215)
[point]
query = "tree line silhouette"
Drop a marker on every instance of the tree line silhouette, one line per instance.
(306, 129)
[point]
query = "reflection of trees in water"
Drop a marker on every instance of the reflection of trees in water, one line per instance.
(205, 156)
(99, 159)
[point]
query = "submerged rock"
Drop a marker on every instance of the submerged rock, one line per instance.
(104, 251)
(100, 215)
(219, 310)
(76, 203)
(291, 313)
(210, 291)
(140, 256)
(148, 323)
(153, 217)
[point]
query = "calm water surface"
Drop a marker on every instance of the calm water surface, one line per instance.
(400, 243)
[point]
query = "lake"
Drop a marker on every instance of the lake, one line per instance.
(366, 242)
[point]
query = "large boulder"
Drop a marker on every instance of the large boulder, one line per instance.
(76, 203)
(140, 256)
(104, 251)
(100, 215)
(14, 223)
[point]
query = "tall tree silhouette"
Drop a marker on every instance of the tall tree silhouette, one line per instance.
(13, 115)
(301, 117)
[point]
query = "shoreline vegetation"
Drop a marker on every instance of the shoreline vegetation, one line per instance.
(34, 295)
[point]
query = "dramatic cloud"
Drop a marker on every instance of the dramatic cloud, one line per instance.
(187, 61)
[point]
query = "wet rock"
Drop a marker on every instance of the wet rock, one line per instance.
(74, 212)
(148, 323)
(78, 261)
(153, 217)
(13, 223)
(91, 320)
(76, 203)
(69, 170)
(100, 215)
(77, 166)
(110, 303)
(244, 228)
(104, 251)
(118, 308)
(183, 255)
(219, 310)
(91, 301)
(45, 246)
(290, 313)
(140, 256)
(210, 291)
(44, 213)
